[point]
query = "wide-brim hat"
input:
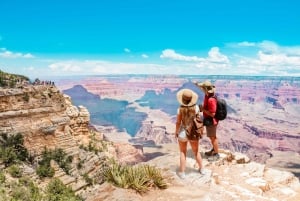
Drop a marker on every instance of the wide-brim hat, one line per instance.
(206, 86)
(187, 97)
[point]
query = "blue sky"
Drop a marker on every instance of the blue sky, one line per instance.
(43, 38)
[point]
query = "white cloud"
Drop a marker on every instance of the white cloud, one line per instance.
(89, 67)
(9, 54)
(145, 56)
(127, 50)
(68, 66)
(215, 56)
(171, 54)
(268, 46)
(215, 63)
(246, 44)
(269, 64)
(265, 58)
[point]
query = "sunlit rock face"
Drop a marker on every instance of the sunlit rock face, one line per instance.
(47, 119)
(44, 116)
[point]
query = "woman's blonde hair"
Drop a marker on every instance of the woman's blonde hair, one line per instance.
(187, 114)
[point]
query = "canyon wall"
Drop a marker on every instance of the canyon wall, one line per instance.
(263, 112)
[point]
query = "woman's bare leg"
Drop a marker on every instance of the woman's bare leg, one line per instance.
(182, 149)
(195, 149)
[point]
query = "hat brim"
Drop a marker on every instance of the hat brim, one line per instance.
(203, 86)
(193, 100)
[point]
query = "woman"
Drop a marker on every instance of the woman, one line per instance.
(185, 114)
(209, 110)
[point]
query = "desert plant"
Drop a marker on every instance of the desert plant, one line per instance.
(95, 145)
(25, 190)
(8, 156)
(20, 193)
(44, 169)
(87, 179)
(15, 171)
(34, 191)
(2, 177)
(80, 164)
(26, 97)
(140, 178)
(12, 149)
(56, 191)
(62, 159)
(3, 194)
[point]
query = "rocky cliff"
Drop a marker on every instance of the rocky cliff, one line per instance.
(44, 116)
(47, 119)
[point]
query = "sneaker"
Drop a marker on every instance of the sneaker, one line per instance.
(214, 157)
(209, 153)
(202, 171)
(181, 175)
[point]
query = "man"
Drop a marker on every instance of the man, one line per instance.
(209, 108)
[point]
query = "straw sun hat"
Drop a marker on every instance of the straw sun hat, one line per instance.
(207, 86)
(187, 97)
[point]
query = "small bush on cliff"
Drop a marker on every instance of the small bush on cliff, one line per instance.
(2, 177)
(25, 190)
(56, 190)
(26, 97)
(140, 178)
(12, 149)
(45, 170)
(15, 171)
(95, 145)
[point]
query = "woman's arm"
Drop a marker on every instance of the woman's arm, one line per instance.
(178, 124)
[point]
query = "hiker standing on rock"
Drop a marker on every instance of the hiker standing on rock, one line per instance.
(185, 114)
(209, 108)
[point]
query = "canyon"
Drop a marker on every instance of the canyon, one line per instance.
(263, 112)
(48, 118)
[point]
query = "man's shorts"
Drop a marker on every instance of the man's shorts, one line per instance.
(211, 131)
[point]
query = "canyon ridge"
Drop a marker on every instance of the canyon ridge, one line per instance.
(48, 118)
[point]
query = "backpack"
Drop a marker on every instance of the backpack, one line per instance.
(221, 112)
(195, 129)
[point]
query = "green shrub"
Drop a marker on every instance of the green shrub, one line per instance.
(80, 164)
(25, 190)
(34, 191)
(3, 194)
(87, 179)
(140, 178)
(15, 171)
(12, 149)
(20, 193)
(45, 171)
(26, 97)
(8, 156)
(2, 177)
(58, 155)
(62, 159)
(57, 191)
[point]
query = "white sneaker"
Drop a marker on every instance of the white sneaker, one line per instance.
(202, 171)
(181, 175)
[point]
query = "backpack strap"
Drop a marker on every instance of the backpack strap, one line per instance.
(197, 108)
